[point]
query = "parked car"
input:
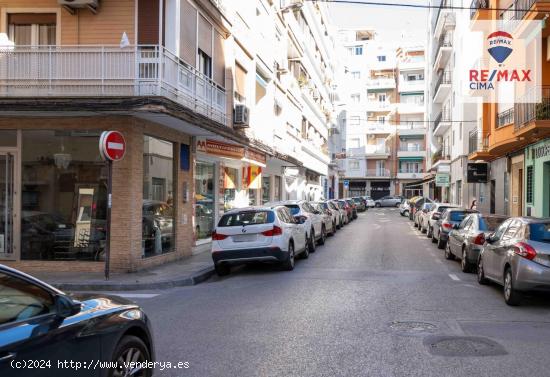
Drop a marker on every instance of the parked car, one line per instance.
(337, 212)
(40, 322)
(449, 218)
(417, 204)
(353, 208)
(388, 201)
(360, 203)
(432, 216)
(348, 208)
(369, 202)
(259, 234)
(329, 217)
(467, 239)
(405, 206)
(316, 232)
(517, 256)
(419, 215)
(343, 208)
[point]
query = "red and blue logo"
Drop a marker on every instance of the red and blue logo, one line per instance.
(500, 45)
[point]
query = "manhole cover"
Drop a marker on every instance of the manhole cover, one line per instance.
(463, 346)
(406, 327)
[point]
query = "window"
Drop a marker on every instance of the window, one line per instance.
(381, 119)
(539, 232)
(158, 197)
(356, 75)
(382, 97)
(355, 98)
(529, 184)
(501, 229)
(381, 58)
(26, 29)
(512, 230)
(247, 218)
(64, 196)
(358, 50)
(354, 120)
(459, 192)
(266, 189)
(354, 165)
(277, 188)
(240, 83)
(205, 64)
(204, 199)
(22, 300)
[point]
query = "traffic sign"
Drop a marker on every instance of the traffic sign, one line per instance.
(112, 146)
(442, 180)
(346, 184)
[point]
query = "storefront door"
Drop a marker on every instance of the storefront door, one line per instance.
(8, 194)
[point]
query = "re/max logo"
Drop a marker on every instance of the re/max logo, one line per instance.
(484, 78)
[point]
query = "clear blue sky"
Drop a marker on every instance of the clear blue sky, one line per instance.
(395, 25)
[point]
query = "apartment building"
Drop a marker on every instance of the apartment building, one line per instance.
(382, 117)
(213, 119)
(515, 138)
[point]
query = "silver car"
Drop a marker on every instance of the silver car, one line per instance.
(388, 201)
(329, 218)
(517, 256)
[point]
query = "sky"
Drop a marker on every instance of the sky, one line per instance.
(395, 25)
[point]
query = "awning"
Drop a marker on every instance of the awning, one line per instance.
(411, 158)
(419, 183)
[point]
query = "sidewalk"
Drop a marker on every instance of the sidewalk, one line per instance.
(189, 271)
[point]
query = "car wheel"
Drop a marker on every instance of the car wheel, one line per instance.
(448, 254)
(377, 205)
(333, 229)
(397, 205)
(422, 229)
(511, 296)
(323, 236)
(481, 279)
(440, 243)
(429, 232)
(465, 266)
(131, 348)
(434, 240)
(305, 253)
(312, 245)
(222, 269)
(288, 264)
(406, 213)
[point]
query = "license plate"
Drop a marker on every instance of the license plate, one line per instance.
(244, 238)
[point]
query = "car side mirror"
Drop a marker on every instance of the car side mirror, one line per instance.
(66, 307)
(300, 219)
(490, 238)
(456, 226)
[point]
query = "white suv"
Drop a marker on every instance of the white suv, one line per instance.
(258, 234)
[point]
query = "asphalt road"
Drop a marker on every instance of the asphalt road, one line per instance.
(377, 300)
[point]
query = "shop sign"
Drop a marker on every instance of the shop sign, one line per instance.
(291, 172)
(219, 148)
(540, 151)
(477, 173)
(444, 168)
(442, 180)
(255, 157)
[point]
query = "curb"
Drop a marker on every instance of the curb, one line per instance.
(186, 281)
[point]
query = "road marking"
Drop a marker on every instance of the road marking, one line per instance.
(136, 295)
(454, 277)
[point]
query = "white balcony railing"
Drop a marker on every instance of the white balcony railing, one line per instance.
(382, 173)
(381, 83)
(98, 71)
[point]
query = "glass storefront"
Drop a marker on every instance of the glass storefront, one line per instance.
(204, 199)
(230, 186)
(266, 192)
(158, 197)
(64, 196)
(277, 188)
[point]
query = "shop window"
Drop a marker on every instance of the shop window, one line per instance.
(158, 233)
(266, 189)
(230, 187)
(8, 138)
(277, 188)
(64, 196)
(529, 183)
(204, 199)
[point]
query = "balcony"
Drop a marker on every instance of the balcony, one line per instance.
(412, 64)
(379, 106)
(412, 86)
(532, 120)
(477, 146)
(442, 123)
(381, 83)
(107, 71)
(442, 52)
(505, 118)
(443, 17)
(378, 173)
(411, 130)
(441, 157)
(378, 128)
(413, 107)
(442, 86)
(403, 174)
(478, 8)
(411, 150)
(376, 151)
(524, 9)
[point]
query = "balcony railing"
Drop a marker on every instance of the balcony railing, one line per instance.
(98, 71)
(476, 143)
(522, 7)
(378, 173)
(524, 113)
(446, 40)
(411, 148)
(444, 78)
(443, 116)
(505, 117)
(381, 83)
(476, 5)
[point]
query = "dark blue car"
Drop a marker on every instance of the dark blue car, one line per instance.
(44, 332)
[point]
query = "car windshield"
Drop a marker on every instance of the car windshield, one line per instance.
(490, 223)
(247, 218)
(357, 200)
(340, 205)
(294, 209)
(539, 232)
(441, 209)
(458, 215)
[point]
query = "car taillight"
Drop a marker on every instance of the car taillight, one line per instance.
(525, 250)
(276, 231)
(218, 237)
(480, 239)
(447, 225)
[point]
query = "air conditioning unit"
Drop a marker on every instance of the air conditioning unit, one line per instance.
(241, 116)
(73, 4)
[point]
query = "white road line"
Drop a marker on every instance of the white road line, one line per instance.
(136, 295)
(454, 277)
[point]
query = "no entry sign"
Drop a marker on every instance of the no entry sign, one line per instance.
(112, 145)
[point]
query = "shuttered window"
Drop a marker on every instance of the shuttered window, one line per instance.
(188, 33)
(148, 22)
(205, 36)
(240, 82)
(32, 28)
(219, 59)
(529, 184)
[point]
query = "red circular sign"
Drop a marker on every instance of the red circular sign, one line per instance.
(112, 145)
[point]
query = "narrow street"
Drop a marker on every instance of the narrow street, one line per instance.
(364, 304)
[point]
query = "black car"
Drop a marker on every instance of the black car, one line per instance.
(43, 331)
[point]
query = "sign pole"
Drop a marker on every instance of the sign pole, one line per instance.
(108, 227)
